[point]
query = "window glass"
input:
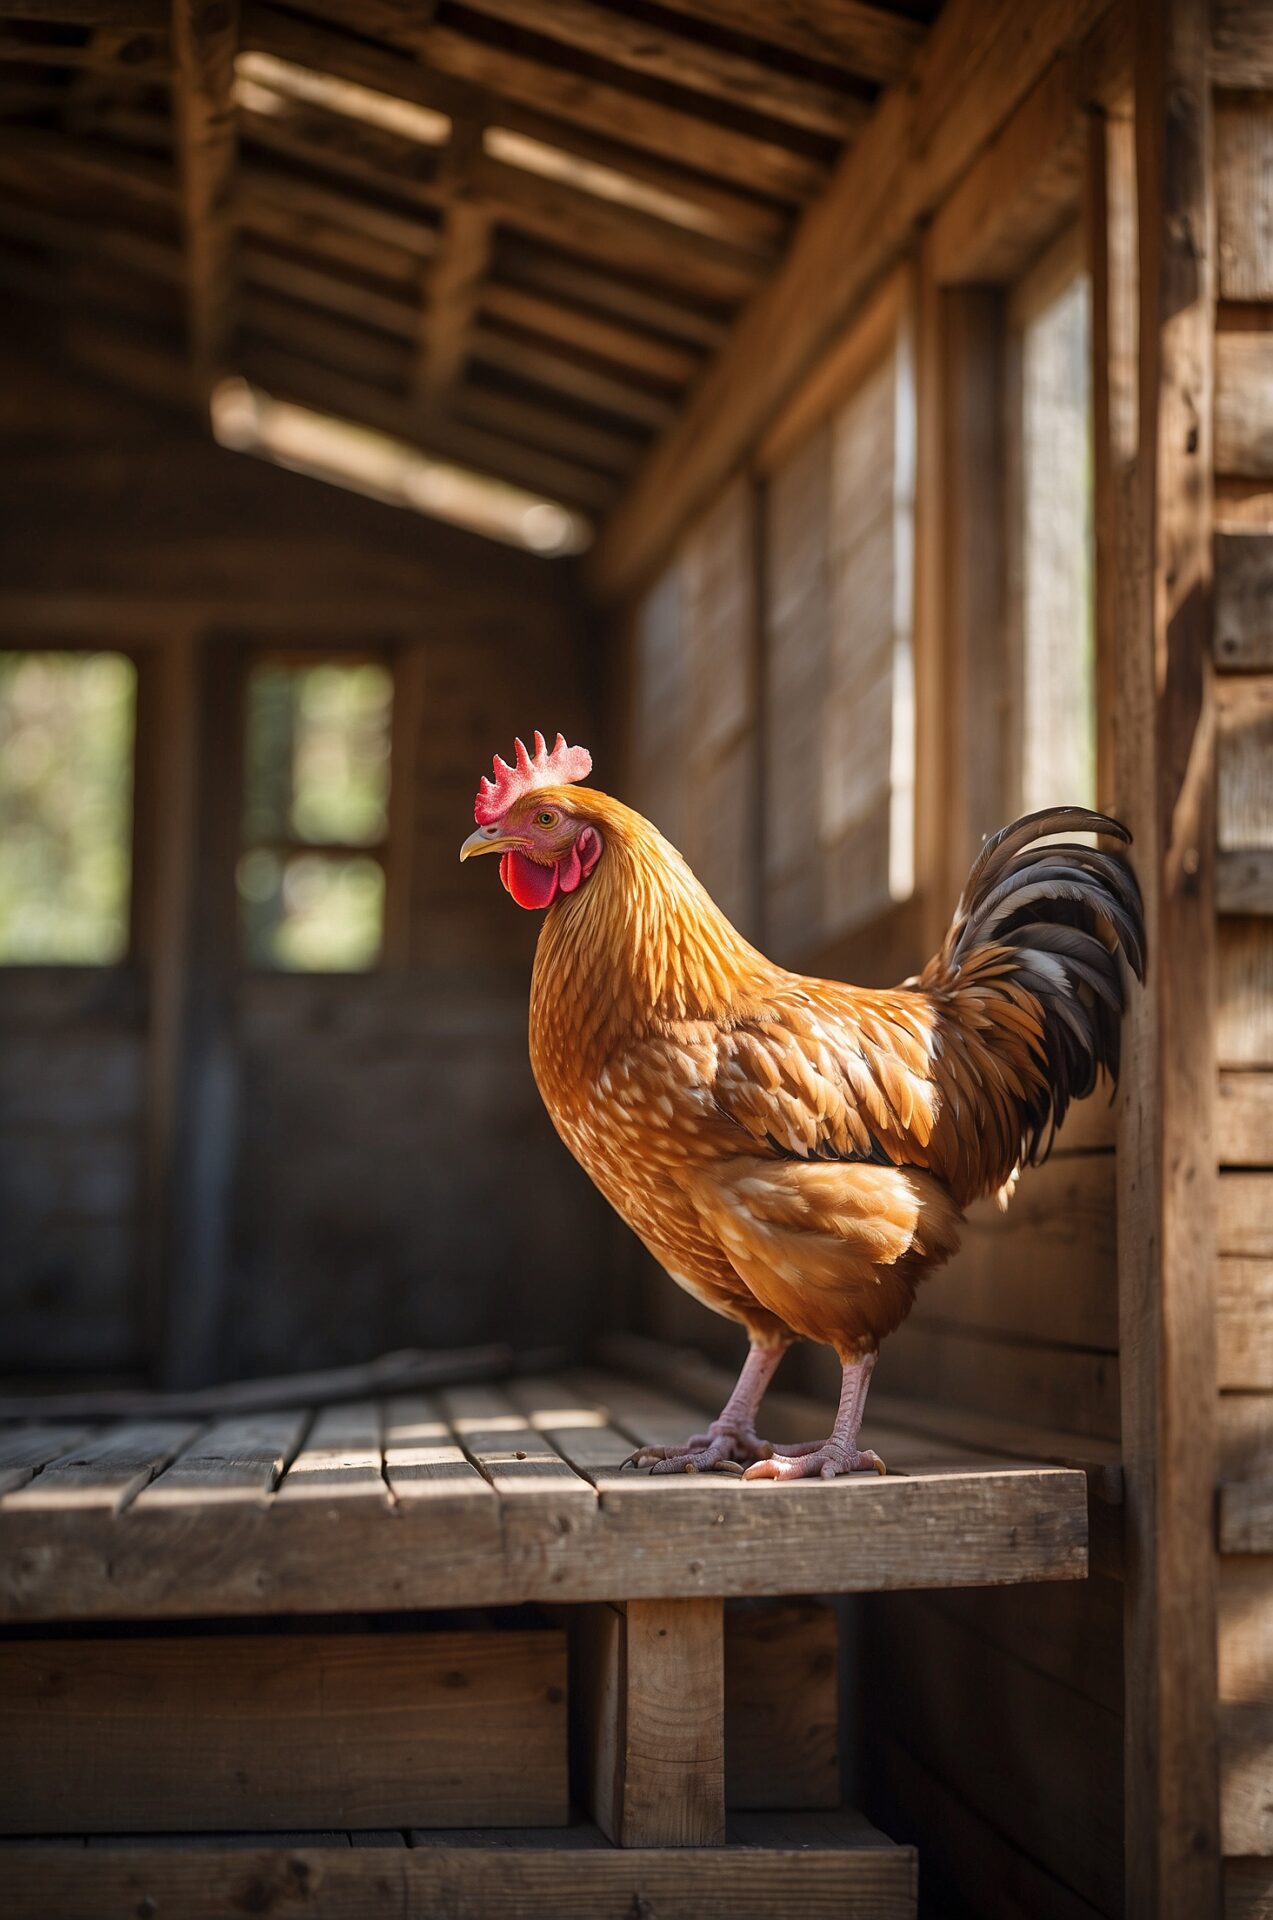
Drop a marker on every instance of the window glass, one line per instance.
(66, 807)
(311, 879)
(1058, 701)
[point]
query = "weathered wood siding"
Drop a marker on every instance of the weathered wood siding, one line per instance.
(382, 1168)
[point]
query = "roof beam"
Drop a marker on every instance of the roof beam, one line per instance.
(452, 285)
(688, 63)
(868, 40)
(567, 326)
(980, 59)
(205, 39)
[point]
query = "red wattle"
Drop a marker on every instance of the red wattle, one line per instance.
(530, 884)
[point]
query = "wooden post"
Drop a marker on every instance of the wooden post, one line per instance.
(1166, 1150)
(651, 1691)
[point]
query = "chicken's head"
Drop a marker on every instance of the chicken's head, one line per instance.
(525, 814)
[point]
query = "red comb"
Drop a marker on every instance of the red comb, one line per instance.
(540, 769)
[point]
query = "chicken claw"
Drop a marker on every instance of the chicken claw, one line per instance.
(720, 1450)
(816, 1460)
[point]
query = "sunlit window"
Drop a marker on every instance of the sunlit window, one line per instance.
(1054, 588)
(66, 807)
(311, 878)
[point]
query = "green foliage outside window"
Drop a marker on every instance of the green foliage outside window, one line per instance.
(66, 807)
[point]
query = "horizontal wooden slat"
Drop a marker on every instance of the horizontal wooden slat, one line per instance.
(1060, 1387)
(340, 1459)
(24, 1450)
(189, 1734)
(1244, 1119)
(1244, 404)
(1246, 1214)
(1244, 953)
(1244, 601)
(1243, 162)
(1244, 881)
(782, 1867)
(1241, 43)
(1244, 1323)
(1246, 1512)
(1246, 1806)
(241, 1458)
(104, 1473)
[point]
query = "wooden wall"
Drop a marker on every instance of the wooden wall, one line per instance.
(992, 1726)
(1242, 108)
(223, 1170)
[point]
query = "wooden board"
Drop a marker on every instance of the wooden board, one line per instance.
(153, 1734)
(1244, 1010)
(782, 1746)
(650, 1684)
(1244, 405)
(1244, 601)
(1244, 196)
(1244, 1329)
(788, 1867)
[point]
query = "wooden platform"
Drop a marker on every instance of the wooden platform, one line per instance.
(491, 1496)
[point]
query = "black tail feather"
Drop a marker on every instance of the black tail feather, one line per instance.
(1067, 910)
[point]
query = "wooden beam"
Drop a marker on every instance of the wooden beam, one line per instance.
(652, 1698)
(548, 427)
(564, 276)
(694, 65)
(980, 59)
(566, 374)
(625, 346)
(1244, 601)
(139, 56)
(205, 39)
(869, 40)
(305, 201)
(1166, 1143)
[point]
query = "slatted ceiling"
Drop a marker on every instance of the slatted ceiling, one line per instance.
(107, 1471)
(341, 1457)
(235, 1459)
(628, 174)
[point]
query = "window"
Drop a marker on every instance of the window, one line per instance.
(839, 683)
(312, 878)
(1052, 578)
(66, 807)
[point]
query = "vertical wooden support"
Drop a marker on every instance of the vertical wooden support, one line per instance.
(1166, 1148)
(651, 1693)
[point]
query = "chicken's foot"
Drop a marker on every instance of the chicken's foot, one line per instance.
(731, 1441)
(825, 1459)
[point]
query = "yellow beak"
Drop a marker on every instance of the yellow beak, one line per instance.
(487, 840)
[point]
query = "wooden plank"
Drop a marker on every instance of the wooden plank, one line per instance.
(1241, 44)
(764, 165)
(974, 1714)
(757, 86)
(869, 40)
(1245, 1214)
(565, 374)
(1245, 993)
(192, 1735)
(1244, 710)
(242, 1458)
(790, 1867)
(1244, 196)
(1166, 1151)
(105, 1472)
(964, 1855)
(422, 1458)
(547, 427)
(1072, 1633)
(205, 40)
(626, 346)
(974, 67)
(515, 1457)
(1016, 1380)
(1245, 1523)
(782, 1745)
(1244, 601)
(453, 290)
(1246, 1735)
(1248, 1889)
(1244, 1119)
(1244, 1330)
(24, 1450)
(566, 277)
(1244, 404)
(651, 1675)
(1244, 881)
(341, 1458)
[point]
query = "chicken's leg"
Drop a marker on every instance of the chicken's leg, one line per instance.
(826, 1458)
(732, 1437)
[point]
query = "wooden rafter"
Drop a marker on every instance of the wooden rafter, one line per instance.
(869, 40)
(454, 280)
(661, 53)
(205, 38)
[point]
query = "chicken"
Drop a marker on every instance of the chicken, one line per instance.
(796, 1153)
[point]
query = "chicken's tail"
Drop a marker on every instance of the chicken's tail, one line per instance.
(1030, 979)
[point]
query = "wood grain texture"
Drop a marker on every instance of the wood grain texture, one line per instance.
(782, 1744)
(277, 1732)
(652, 1710)
(1166, 1151)
(1244, 196)
(205, 38)
(788, 1867)
(1244, 405)
(1245, 993)
(1243, 601)
(1244, 1119)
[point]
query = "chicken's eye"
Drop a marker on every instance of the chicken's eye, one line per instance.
(545, 819)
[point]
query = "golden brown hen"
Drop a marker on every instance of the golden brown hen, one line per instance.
(797, 1153)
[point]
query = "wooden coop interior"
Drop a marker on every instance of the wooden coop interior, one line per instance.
(855, 421)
